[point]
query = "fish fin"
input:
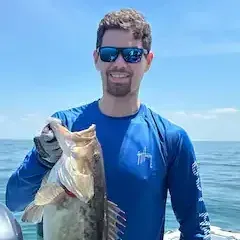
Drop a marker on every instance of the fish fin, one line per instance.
(50, 193)
(116, 221)
(32, 213)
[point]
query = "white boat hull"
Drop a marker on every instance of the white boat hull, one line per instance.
(216, 234)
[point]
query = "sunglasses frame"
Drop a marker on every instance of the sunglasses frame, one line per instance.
(120, 51)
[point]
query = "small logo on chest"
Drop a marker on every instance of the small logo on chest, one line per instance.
(144, 156)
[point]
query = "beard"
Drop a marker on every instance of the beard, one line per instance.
(118, 89)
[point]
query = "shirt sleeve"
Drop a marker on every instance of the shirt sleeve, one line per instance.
(24, 183)
(185, 189)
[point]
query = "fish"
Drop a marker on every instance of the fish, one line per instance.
(72, 200)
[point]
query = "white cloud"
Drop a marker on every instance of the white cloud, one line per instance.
(224, 110)
(195, 115)
(207, 114)
(23, 127)
(220, 124)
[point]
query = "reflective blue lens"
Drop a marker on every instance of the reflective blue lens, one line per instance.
(108, 54)
(130, 55)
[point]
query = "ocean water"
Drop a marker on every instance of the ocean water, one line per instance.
(219, 164)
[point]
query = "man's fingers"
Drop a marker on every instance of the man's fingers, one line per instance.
(51, 146)
(48, 136)
(40, 149)
(56, 156)
(47, 145)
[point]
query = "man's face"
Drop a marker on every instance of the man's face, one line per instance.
(121, 78)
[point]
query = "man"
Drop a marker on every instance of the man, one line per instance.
(145, 155)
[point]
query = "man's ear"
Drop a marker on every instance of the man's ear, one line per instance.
(95, 58)
(149, 61)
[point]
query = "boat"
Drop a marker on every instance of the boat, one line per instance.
(10, 229)
(216, 233)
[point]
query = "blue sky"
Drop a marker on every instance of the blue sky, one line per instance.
(46, 62)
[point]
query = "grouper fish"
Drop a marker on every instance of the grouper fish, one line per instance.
(72, 199)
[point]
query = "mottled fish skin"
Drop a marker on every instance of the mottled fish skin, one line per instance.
(76, 218)
(96, 216)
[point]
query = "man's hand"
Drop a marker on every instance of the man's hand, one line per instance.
(47, 146)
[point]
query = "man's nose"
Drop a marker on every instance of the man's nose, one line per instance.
(120, 62)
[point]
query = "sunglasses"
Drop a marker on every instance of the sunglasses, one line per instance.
(129, 54)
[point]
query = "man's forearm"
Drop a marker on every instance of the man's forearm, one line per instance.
(24, 182)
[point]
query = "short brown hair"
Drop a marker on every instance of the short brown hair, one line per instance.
(126, 19)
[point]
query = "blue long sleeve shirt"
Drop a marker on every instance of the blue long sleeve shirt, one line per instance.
(145, 155)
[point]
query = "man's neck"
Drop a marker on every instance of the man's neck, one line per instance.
(119, 107)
